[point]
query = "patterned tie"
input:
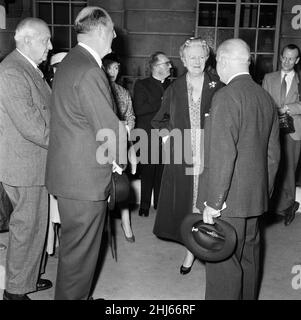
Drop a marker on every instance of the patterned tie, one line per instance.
(283, 91)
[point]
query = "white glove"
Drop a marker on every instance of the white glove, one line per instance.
(116, 168)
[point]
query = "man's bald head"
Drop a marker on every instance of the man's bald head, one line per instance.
(233, 56)
(29, 27)
(32, 38)
(235, 49)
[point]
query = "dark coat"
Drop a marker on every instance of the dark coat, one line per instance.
(176, 195)
(241, 150)
(82, 104)
(147, 100)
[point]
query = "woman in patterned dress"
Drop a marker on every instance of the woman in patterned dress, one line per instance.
(126, 115)
(185, 105)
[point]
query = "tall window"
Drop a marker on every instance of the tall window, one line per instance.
(255, 21)
(60, 16)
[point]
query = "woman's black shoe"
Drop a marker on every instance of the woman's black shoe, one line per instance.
(185, 270)
(143, 212)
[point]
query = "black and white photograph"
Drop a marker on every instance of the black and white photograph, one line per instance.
(150, 153)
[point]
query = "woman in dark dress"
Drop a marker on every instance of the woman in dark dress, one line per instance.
(185, 105)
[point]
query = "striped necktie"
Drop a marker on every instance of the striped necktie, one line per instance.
(283, 90)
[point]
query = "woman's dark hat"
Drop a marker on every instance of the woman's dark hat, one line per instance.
(208, 242)
(120, 189)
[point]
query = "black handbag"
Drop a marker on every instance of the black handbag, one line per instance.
(286, 123)
(6, 209)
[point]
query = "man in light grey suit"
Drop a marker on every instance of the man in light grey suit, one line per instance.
(24, 135)
(283, 199)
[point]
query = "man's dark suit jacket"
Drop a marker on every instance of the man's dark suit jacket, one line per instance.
(81, 106)
(147, 100)
(242, 150)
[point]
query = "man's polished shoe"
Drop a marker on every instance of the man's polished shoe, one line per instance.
(290, 213)
(143, 212)
(43, 284)
(14, 296)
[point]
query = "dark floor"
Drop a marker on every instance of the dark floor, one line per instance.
(149, 268)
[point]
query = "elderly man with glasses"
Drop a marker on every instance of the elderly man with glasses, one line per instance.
(147, 102)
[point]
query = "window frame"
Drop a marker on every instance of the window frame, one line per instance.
(53, 25)
(238, 4)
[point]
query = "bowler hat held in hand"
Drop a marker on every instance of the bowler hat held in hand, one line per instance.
(208, 242)
(120, 189)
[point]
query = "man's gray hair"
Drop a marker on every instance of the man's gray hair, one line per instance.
(28, 27)
(90, 18)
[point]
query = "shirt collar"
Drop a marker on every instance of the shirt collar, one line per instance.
(236, 75)
(93, 53)
(28, 59)
(160, 80)
(289, 75)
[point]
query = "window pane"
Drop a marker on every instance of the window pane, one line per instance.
(73, 38)
(267, 17)
(44, 12)
(264, 64)
(250, 1)
(207, 15)
(61, 38)
(226, 15)
(224, 34)
(61, 13)
(208, 35)
(266, 40)
(248, 16)
(249, 36)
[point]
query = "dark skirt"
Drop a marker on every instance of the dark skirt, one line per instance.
(175, 202)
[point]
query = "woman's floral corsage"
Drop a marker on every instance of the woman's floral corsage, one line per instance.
(212, 84)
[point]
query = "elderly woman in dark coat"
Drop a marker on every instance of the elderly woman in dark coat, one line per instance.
(184, 107)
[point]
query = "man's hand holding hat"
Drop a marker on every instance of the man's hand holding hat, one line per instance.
(210, 213)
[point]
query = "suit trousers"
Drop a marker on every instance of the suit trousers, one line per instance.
(285, 184)
(237, 277)
(27, 237)
(82, 225)
(151, 175)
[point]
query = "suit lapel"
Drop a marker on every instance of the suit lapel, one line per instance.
(293, 89)
(44, 91)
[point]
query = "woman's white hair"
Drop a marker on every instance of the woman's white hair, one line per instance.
(194, 42)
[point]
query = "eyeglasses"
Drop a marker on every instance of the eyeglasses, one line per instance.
(167, 63)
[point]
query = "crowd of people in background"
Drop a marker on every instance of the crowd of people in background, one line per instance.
(241, 163)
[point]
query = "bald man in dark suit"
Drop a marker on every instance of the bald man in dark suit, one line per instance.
(241, 159)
